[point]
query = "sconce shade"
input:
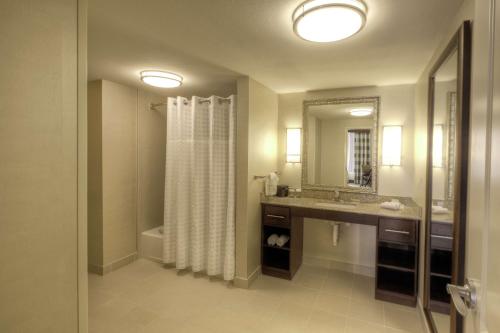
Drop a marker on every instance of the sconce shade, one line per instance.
(437, 146)
(293, 145)
(391, 145)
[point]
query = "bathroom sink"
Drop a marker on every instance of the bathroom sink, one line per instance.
(336, 205)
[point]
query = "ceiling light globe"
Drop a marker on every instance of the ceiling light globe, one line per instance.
(161, 79)
(361, 112)
(326, 21)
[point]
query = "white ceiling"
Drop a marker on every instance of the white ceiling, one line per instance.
(212, 42)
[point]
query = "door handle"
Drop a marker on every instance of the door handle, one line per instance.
(464, 298)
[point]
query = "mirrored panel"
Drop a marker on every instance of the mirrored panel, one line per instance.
(442, 182)
(340, 143)
(446, 193)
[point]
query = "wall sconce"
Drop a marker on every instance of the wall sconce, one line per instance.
(391, 145)
(437, 146)
(293, 145)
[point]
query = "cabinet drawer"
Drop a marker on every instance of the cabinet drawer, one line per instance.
(441, 235)
(277, 216)
(442, 229)
(394, 230)
(441, 242)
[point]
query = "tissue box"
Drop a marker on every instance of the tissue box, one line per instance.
(282, 191)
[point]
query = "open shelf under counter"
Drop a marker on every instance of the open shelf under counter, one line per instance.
(283, 248)
(397, 255)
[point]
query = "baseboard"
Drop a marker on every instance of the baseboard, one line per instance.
(96, 269)
(339, 265)
(245, 283)
(423, 318)
(155, 259)
(113, 266)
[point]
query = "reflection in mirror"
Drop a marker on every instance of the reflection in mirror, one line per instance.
(340, 143)
(443, 166)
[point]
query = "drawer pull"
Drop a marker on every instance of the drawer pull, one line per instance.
(276, 216)
(397, 231)
(442, 237)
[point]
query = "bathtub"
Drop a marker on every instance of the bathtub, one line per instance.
(152, 244)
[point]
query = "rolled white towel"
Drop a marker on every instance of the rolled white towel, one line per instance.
(282, 240)
(392, 205)
(439, 210)
(272, 240)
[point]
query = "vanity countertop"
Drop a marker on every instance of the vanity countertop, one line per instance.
(443, 218)
(412, 211)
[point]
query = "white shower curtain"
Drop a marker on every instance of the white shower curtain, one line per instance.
(199, 218)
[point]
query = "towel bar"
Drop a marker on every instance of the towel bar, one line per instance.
(263, 177)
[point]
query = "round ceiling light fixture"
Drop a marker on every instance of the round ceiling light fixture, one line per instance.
(325, 21)
(361, 112)
(161, 79)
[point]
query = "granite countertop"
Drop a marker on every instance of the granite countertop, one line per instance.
(443, 218)
(410, 211)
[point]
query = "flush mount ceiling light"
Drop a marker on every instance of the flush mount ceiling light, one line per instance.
(361, 112)
(161, 79)
(328, 20)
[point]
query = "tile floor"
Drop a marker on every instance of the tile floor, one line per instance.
(146, 297)
(442, 322)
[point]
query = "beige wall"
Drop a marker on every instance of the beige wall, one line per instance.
(242, 181)
(94, 181)
(466, 12)
(119, 171)
(333, 152)
(151, 162)
(126, 171)
(38, 171)
(257, 120)
(356, 244)
(113, 177)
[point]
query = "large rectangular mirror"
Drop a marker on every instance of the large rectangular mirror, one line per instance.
(447, 181)
(340, 144)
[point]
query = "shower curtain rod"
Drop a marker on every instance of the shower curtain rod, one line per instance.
(154, 106)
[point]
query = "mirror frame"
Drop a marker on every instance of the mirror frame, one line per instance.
(375, 100)
(460, 42)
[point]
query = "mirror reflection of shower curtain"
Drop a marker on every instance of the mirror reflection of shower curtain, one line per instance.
(361, 155)
(199, 216)
(350, 157)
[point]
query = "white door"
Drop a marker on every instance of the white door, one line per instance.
(483, 222)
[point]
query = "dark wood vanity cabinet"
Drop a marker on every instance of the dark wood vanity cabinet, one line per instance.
(440, 259)
(397, 261)
(284, 261)
(397, 248)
